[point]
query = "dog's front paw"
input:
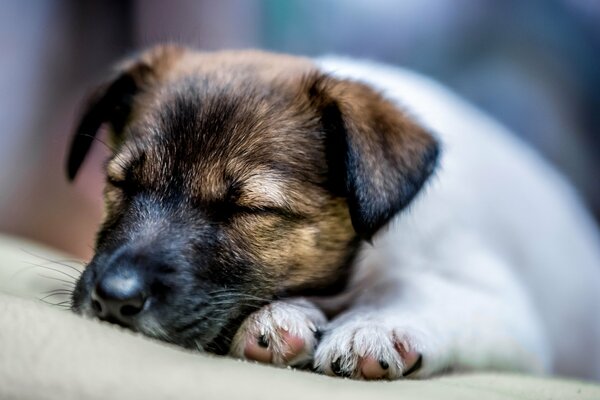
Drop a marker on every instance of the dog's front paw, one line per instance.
(281, 333)
(366, 349)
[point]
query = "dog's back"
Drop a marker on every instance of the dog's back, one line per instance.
(494, 191)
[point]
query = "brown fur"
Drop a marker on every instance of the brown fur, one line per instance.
(289, 165)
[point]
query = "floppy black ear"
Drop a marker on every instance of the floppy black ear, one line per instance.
(377, 156)
(109, 103)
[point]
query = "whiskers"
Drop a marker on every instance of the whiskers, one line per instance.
(63, 275)
(199, 346)
(226, 298)
(245, 304)
(220, 296)
(62, 293)
(105, 144)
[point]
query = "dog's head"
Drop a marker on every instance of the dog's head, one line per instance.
(236, 178)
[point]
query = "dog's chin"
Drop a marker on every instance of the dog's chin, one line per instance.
(187, 316)
(200, 334)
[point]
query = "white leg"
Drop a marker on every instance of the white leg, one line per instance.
(424, 321)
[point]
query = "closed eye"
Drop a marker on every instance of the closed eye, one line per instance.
(119, 170)
(228, 210)
(259, 209)
(125, 185)
(260, 194)
(116, 182)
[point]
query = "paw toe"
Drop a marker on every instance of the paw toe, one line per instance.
(258, 350)
(338, 369)
(289, 346)
(412, 359)
(368, 352)
(413, 364)
(372, 368)
(293, 345)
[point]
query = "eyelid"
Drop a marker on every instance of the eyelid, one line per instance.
(236, 206)
(116, 182)
(269, 210)
(257, 209)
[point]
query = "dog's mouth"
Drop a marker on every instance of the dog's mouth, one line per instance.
(213, 333)
(187, 316)
(209, 333)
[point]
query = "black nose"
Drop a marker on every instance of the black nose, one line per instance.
(119, 296)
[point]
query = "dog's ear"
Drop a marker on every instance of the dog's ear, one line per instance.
(110, 103)
(378, 158)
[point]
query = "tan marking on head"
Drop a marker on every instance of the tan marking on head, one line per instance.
(263, 189)
(117, 166)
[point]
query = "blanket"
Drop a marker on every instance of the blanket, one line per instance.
(46, 352)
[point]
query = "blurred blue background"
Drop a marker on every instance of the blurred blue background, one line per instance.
(534, 65)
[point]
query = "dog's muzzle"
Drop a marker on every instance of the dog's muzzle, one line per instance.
(119, 295)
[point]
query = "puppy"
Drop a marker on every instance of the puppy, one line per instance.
(283, 209)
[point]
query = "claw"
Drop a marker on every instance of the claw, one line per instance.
(263, 341)
(384, 365)
(336, 368)
(415, 367)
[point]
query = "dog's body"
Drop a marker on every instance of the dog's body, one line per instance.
(495, 222)
(495, 264)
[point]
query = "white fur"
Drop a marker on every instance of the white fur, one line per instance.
(496, 264)
(298, 316)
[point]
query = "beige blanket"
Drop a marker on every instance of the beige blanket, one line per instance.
(48, 353)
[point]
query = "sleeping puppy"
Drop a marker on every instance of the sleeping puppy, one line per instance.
(282, 209)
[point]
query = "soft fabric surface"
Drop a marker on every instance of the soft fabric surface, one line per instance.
(48, 353)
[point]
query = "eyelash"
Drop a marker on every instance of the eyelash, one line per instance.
(231, 209)
(276, 211)
(118, 183)
(124, 185)
(114, 182)
(259, 210)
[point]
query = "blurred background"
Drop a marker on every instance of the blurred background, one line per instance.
(534, 65)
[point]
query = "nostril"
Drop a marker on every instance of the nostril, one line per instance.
(129, 310)
(97, 306)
